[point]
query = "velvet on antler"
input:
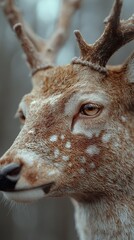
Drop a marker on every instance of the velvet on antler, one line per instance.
(116, 34)
(41, 54)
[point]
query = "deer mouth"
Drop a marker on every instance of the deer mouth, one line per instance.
(29, 194)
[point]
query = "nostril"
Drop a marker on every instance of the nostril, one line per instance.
(15, 171)
(9, 175)
(11, 170)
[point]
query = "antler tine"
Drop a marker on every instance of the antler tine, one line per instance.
(16, 22)
(40, 54)
(33, 57)
(85, 48)
(116, 34)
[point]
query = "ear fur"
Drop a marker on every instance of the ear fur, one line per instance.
(129, 68)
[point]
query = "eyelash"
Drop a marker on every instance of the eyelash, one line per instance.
(90, 109)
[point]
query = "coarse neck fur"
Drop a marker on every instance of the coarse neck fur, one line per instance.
(105, 219)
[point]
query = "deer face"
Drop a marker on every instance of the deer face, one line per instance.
(78, 119)
(70, 132)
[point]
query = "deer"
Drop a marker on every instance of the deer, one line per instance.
(77, 135)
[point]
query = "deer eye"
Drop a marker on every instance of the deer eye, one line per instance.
(21, 116)
(90, 109)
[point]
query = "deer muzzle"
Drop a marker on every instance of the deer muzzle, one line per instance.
(9, 176)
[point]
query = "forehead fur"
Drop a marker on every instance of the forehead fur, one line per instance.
(58, 79)
(73, 78)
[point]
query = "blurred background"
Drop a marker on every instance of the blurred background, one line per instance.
(49, 219)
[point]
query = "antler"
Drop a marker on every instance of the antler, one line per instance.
(116, 34)
(40, 54)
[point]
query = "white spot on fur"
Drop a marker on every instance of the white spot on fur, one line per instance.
(97, 133)
(82, 159)
(56, 153)
(123, 119)
(62, 137)
(92, 165)
(116, 144)
(68, 144)
(53, 138)
(32, 131)
(65, 158)
(93, 150)
(82, 171)
(57, 164)
(70, 164)
(106, 137)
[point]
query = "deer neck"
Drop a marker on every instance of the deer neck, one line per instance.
(105, 219)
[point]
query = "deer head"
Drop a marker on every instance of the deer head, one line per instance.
(77, 122)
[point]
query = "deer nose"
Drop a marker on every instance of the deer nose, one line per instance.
(9, 175)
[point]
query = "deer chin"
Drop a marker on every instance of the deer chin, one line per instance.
(28, 195)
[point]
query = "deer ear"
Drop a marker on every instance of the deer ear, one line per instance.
(129, 68)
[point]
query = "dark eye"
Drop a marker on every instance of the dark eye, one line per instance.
(21, 116)
(90, 109)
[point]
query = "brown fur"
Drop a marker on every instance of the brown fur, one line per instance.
(90, 159)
